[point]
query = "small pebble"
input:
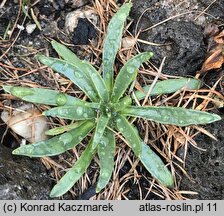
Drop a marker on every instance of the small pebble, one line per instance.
(30, 28)
(20, 27)
(128, 42)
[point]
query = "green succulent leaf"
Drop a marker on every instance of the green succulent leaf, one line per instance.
(57, 144)
(97, 80)
(100, 128)
(71, 112)
(153, 163)
(171, 115)
(43, 96)
(112, 42)
(106, 152)
(65, 53)
(74, 173)
(169, 86)
(150, 160)
(74, 72)
(128, 74)
(86, 67)
(62, 129)
(130, 133)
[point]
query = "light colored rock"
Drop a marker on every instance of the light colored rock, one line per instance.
(30, 28)
(128, 42)
(71, 20)
(27, 122)
(20, 27)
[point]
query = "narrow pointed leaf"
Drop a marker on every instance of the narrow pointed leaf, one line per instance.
(100, 128)
(97, 80)
(130, 133)
(86, 67)
(169, 86)
(62, 129)
(74, 173)
(43, 96)
(74, 72)
(106, 152)
(153, 163)
(128, 74)
(112, 42)
(171, 115)
(57, 144)
(64, 52)
(71, 112)
(150, 159)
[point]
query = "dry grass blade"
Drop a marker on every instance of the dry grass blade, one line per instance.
(205, 102)
(204, 131)
(154, 82)
(170, 18)
(205, 9)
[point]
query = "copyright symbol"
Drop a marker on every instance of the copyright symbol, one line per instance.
(9, 207)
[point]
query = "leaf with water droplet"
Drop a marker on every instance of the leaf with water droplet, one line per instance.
(61, 99)
(97, 80)
(66, 138)
(87, 68)
(128, 74)
(153, 163)
(41, 96)
(169, 86)
(57, 144)
(71, 112)
(171, 115)
(78, 75)
(150, 160)
(130, 134)
(102, 122)
(106, 152)
(112, 42)
(76, 72)
(74, 173)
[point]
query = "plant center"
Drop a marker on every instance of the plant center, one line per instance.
(107, 109)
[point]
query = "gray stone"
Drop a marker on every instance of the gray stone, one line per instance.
(185, 52)
(186, 49)
(22, 177)
(206, 168)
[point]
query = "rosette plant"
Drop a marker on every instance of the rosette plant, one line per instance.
(106, 112)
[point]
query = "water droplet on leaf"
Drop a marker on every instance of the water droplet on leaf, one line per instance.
(79, 111)
(130, 69)
(61, 99)
(66, 138)
(78, 75)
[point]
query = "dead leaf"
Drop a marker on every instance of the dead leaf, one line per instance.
(219, 38)
(138, 87)
(216, 55)
(215, 59)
